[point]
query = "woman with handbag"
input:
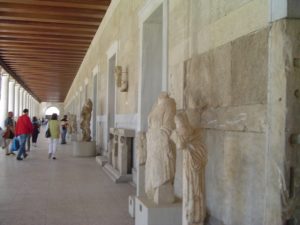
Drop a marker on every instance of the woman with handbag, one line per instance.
(9, 133)
(54, 132)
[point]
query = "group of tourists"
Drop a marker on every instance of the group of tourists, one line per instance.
(16, 134)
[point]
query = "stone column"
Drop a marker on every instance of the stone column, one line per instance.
(17, 100)
(26, 99)
(11, 95)
(21, 99)
(29, 106)
(4, 98)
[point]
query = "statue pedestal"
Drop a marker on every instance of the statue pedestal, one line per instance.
(131, 205)
(84, 149)
(73, 137)
(149, 213)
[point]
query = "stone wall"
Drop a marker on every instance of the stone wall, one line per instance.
(228, 66)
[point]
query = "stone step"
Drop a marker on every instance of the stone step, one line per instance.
(101, 160)
(115, 175)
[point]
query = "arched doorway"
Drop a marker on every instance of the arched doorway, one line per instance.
(50, 111)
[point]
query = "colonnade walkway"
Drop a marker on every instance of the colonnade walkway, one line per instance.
(66, 191)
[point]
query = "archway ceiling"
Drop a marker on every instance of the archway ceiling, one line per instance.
(43, 42)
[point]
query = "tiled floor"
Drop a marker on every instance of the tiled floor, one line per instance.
(66, 191)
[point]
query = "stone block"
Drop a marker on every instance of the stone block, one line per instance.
(244, 178)
(238, 118)
(149, 213)
(220, 72)
(250, 68)
(214, 174)
(198, 82)
(84, 149)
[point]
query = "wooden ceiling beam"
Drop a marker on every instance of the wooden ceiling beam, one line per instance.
(43, 42)
(46, 32)
(41, 56)
(4, 41)
(51, 10)
(50, 26)
(9, 45)
(16, 36)
(37, 50)
(49, 18)
(18, 79)
(87, 4)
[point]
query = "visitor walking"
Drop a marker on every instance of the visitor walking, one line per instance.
(24, 129)
(64, 126)
(53, 126)
(36, 130)
(9, 133)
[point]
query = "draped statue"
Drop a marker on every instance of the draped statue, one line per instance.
(188, 139)
(161, 151)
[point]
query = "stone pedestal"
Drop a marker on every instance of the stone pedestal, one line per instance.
(73, 137)
(84, 149)
(148, 213)
(131, 205)
(102, 160)
(121, 149)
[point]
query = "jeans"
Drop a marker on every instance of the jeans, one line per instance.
(63, 136)
(22, 140)
(52, 146)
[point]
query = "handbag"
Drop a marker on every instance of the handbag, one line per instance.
(15, 144)
(48, 134)
(8, 134)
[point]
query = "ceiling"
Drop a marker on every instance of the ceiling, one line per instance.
(43, 42)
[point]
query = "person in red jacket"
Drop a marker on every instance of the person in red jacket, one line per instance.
(23, 129)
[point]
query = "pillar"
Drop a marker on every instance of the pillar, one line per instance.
(21, 101)
(11, 95)
(4, 98)
(17, 100)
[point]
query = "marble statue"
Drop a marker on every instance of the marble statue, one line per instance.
(72, 128)
(188, 139)
(86, 113)
(141, 147)
(161, 151)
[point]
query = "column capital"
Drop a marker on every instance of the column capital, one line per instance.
(6, 75)
(12, 80)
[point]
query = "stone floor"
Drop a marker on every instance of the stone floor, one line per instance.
(66, 191)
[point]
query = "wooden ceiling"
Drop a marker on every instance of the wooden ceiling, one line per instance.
(43, 42)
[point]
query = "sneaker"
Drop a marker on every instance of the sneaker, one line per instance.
(7, 154)
(19, 158)
(54, 158)
(25, 155)
(12, 153)
(49, 156)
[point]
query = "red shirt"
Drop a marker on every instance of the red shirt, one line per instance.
(24, 125)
